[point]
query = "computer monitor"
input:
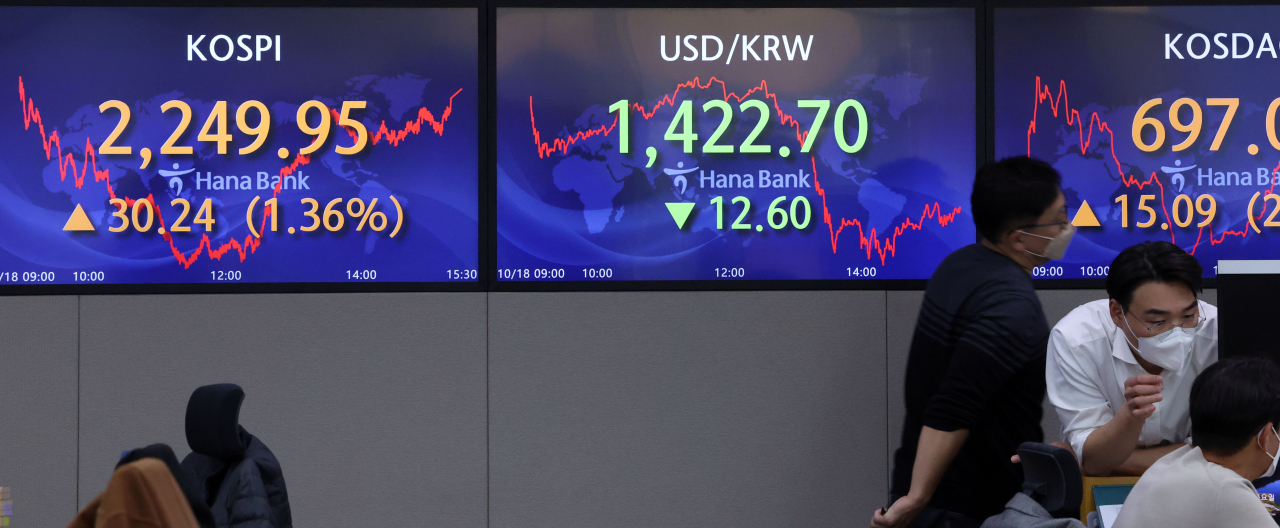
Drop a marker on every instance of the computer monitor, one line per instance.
(1243, 315)
(1243, 310)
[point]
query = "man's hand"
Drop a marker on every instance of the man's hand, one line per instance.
(1141, 393)
(899, 515)
(934, 453)
(1109, 447)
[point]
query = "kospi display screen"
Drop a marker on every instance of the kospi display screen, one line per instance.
(183, 145)
(730, 144)
(1162, 121)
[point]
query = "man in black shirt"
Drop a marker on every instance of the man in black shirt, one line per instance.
(975, 375)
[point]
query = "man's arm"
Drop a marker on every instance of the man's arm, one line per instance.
(1008, 334)
(1112, 447)
(934, 453)
(1142, 459)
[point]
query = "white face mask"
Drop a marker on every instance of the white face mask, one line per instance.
(1168, 350)
(1057, 246)
(1274, 458)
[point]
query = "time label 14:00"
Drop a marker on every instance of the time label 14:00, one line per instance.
(681, 128)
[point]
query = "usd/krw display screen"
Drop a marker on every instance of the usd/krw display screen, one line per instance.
(1162, 121)
(177, 145)
(700, 144)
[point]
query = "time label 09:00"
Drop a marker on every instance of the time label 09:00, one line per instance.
(554, 273)
(27, 276)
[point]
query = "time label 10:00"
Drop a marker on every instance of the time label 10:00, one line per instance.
(215, 128)
(681, 128)
(1053, 272)
(143, 214)
(552, 273)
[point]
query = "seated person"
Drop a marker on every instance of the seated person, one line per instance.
(1234, 412)
(1118, 370)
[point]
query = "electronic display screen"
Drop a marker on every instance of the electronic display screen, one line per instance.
(730, 144)
(217, 145)
(1160, 119)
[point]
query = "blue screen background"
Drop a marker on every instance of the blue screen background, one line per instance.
(70, 60)
(581, 208)
(1104, 64)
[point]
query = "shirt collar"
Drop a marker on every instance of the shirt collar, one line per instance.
(1119, 344)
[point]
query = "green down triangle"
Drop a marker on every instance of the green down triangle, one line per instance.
(680, 212)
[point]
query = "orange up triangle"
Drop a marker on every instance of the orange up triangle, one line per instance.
(78, 221)
(1085, 217)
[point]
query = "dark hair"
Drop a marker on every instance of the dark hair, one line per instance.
(1012, 192)
(1151, 261)
(1231, 401)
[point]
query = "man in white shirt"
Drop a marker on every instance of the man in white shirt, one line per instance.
(1234, 410)
(1119, 370)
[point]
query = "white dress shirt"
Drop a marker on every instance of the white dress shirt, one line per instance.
(1089, 360)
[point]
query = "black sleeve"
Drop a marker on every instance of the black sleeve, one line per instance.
(248, 507)
(1009, 332)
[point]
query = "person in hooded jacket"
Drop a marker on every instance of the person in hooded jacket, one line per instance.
(236, 474)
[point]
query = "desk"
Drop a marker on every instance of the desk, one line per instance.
(1087, 505)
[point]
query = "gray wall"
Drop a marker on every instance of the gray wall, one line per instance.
(470, 409)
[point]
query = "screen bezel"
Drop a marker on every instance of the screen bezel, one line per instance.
(990, 60)
(482, 70)
(981, 144)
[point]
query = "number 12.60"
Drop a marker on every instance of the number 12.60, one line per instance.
(778, 217)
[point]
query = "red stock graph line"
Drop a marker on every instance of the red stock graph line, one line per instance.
(562, 144)
(871, 242)
(67, 164)
(394, 137)
(1058, 103)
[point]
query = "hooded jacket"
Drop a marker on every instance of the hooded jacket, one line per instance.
(243, 492)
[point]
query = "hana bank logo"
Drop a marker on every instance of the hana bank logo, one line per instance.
(1176, 173)
(678, 176)
(174, 177)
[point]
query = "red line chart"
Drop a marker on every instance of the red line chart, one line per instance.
(562, 144)
(67, 164)
(870, 242)
(1058, 104)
